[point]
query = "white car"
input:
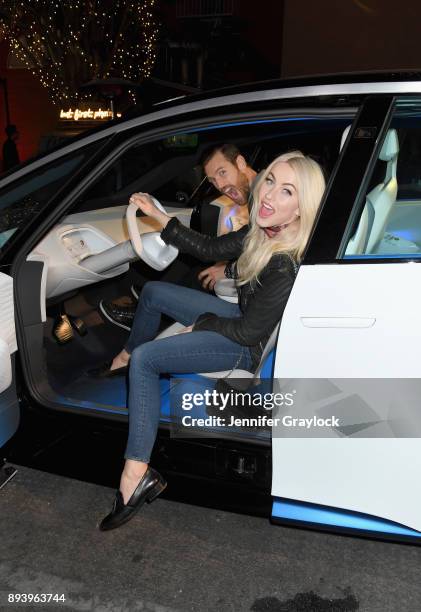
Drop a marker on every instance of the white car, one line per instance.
(348, 344)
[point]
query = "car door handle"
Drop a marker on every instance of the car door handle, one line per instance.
(339, 322)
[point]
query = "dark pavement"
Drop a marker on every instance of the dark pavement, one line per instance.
(174, 556)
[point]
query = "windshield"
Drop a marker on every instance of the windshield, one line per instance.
(23, 199)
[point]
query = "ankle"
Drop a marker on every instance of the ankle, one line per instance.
(134, 473)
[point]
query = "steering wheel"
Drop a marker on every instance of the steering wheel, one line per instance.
(149, 247)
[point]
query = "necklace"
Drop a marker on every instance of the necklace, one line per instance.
(275, 229)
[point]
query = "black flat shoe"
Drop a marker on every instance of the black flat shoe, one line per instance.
(105, 372)
(122, 316)
(151, 485)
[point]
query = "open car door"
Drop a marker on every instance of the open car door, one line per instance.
(349, 339)
(24, 196)
(9, 408)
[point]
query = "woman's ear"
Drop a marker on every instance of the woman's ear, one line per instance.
(241, 163)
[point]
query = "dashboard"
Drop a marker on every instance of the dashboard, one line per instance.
(68, 247)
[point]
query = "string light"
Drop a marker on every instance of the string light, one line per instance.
(68, 44)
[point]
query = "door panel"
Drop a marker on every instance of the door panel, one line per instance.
(9, 409)
(352, 321)
(372, 475)
(351, 329)
(9, 412)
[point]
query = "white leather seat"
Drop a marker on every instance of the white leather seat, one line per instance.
(383, 196)
(379, 201)
(226, 289)
(176, 327)
(357, 242)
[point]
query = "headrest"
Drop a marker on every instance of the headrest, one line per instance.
(390, 147)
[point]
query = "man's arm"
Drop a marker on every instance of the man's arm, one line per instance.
(209, 276)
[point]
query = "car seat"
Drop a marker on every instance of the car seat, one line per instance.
(379, 201)
(264, 369)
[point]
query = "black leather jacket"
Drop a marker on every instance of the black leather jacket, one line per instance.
(262, 303)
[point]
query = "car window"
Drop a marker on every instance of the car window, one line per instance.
(166, 167)
(21, 201)
(170, 169)
(388, 219)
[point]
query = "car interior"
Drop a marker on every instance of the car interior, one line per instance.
(390, 220)
(61, 284)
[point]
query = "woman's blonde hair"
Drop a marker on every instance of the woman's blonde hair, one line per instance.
(258, 248)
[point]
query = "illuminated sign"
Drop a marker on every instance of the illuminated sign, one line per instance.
(87, 115)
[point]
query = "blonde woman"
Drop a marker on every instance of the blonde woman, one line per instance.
(218, 335)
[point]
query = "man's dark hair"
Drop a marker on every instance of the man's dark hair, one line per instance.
(229, 151)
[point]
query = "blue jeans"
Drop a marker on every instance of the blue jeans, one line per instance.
(197, 351)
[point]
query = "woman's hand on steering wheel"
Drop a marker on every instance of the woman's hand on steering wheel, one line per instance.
(148, 207)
